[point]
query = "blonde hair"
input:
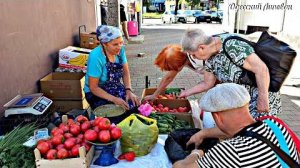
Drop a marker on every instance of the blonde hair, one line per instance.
(171, 58)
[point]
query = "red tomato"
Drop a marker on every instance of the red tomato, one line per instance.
(64, 127)
(40, 141)
(70, 122)
(90, 135)
(51, 154)
(69, 143)
(80, 136)
(181, 109)
(121, 157)
(104, 136)
(81, 119)
(115, 133)
(70, 153)
(75, 150)
(166, 109)
(78, 140)
(43, 147)
(56, 131)
(49, 141)
(62, 153)
(60, 146)
(160, 106)
(58, 139)
(85, 126)
(96, 121)
(96, 128)
(104, 124)
(68, 135)
(129, 156)
(74, 129)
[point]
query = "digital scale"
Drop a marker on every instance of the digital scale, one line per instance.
(35, 104)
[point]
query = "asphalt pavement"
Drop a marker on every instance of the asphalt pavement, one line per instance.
(157, 35)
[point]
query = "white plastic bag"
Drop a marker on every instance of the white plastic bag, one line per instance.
(196, 113)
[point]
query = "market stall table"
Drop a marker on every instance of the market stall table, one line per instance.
(156, 158)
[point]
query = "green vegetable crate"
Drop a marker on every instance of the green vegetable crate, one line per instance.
(167, 122)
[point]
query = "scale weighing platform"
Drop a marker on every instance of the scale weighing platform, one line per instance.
(35, 104)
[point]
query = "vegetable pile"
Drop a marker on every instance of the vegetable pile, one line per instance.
(66, 139)
(167, 122)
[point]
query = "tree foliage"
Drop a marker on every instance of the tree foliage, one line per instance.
(193, 3)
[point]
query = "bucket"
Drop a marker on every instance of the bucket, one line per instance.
(114, 112)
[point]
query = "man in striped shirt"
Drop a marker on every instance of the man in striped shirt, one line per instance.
(228, 103)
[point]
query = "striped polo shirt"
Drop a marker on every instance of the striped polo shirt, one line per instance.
(242, 151)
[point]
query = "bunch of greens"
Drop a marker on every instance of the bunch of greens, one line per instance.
(12, 151)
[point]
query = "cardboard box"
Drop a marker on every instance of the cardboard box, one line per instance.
(88, 40)
(83, 161)
(73, 57)
(63, 86)
(64, 106)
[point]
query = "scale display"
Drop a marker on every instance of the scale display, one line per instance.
(24, 101)
(35, 104)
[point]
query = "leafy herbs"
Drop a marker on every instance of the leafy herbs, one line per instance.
(12, 151)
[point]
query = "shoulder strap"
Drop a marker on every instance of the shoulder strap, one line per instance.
(294, 136)
(252, 44)
(286, 158)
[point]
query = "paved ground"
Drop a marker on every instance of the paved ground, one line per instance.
(156, 36)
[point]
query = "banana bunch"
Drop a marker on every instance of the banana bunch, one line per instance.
(79, 60)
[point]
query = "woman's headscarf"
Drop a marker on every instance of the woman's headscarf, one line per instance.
(107, 33)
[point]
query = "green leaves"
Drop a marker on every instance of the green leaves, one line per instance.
(17, 137)
(12, 151)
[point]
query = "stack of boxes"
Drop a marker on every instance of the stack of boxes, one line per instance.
(65, 89)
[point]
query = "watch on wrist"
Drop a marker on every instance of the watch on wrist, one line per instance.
(128, 89)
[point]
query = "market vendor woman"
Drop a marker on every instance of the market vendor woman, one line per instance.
(107, 65)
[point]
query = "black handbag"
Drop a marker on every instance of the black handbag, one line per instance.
(175, 144)
(276, 54)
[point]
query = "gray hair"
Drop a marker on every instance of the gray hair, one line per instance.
(192, 38)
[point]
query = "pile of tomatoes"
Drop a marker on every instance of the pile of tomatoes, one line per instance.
(162, 108)
(169, 96)
(66, 139)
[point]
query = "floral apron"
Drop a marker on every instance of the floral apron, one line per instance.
(112, 86)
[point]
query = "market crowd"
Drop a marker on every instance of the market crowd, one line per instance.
(237, 109)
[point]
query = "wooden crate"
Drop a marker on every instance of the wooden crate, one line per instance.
(83, 161)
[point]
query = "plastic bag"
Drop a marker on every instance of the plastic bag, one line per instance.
(139, 134)
(175, 145)
(196, 113)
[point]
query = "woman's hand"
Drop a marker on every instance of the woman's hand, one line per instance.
(120, 102)
(263, 104)
(134, 99)
(183, 94)
(149, 98)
